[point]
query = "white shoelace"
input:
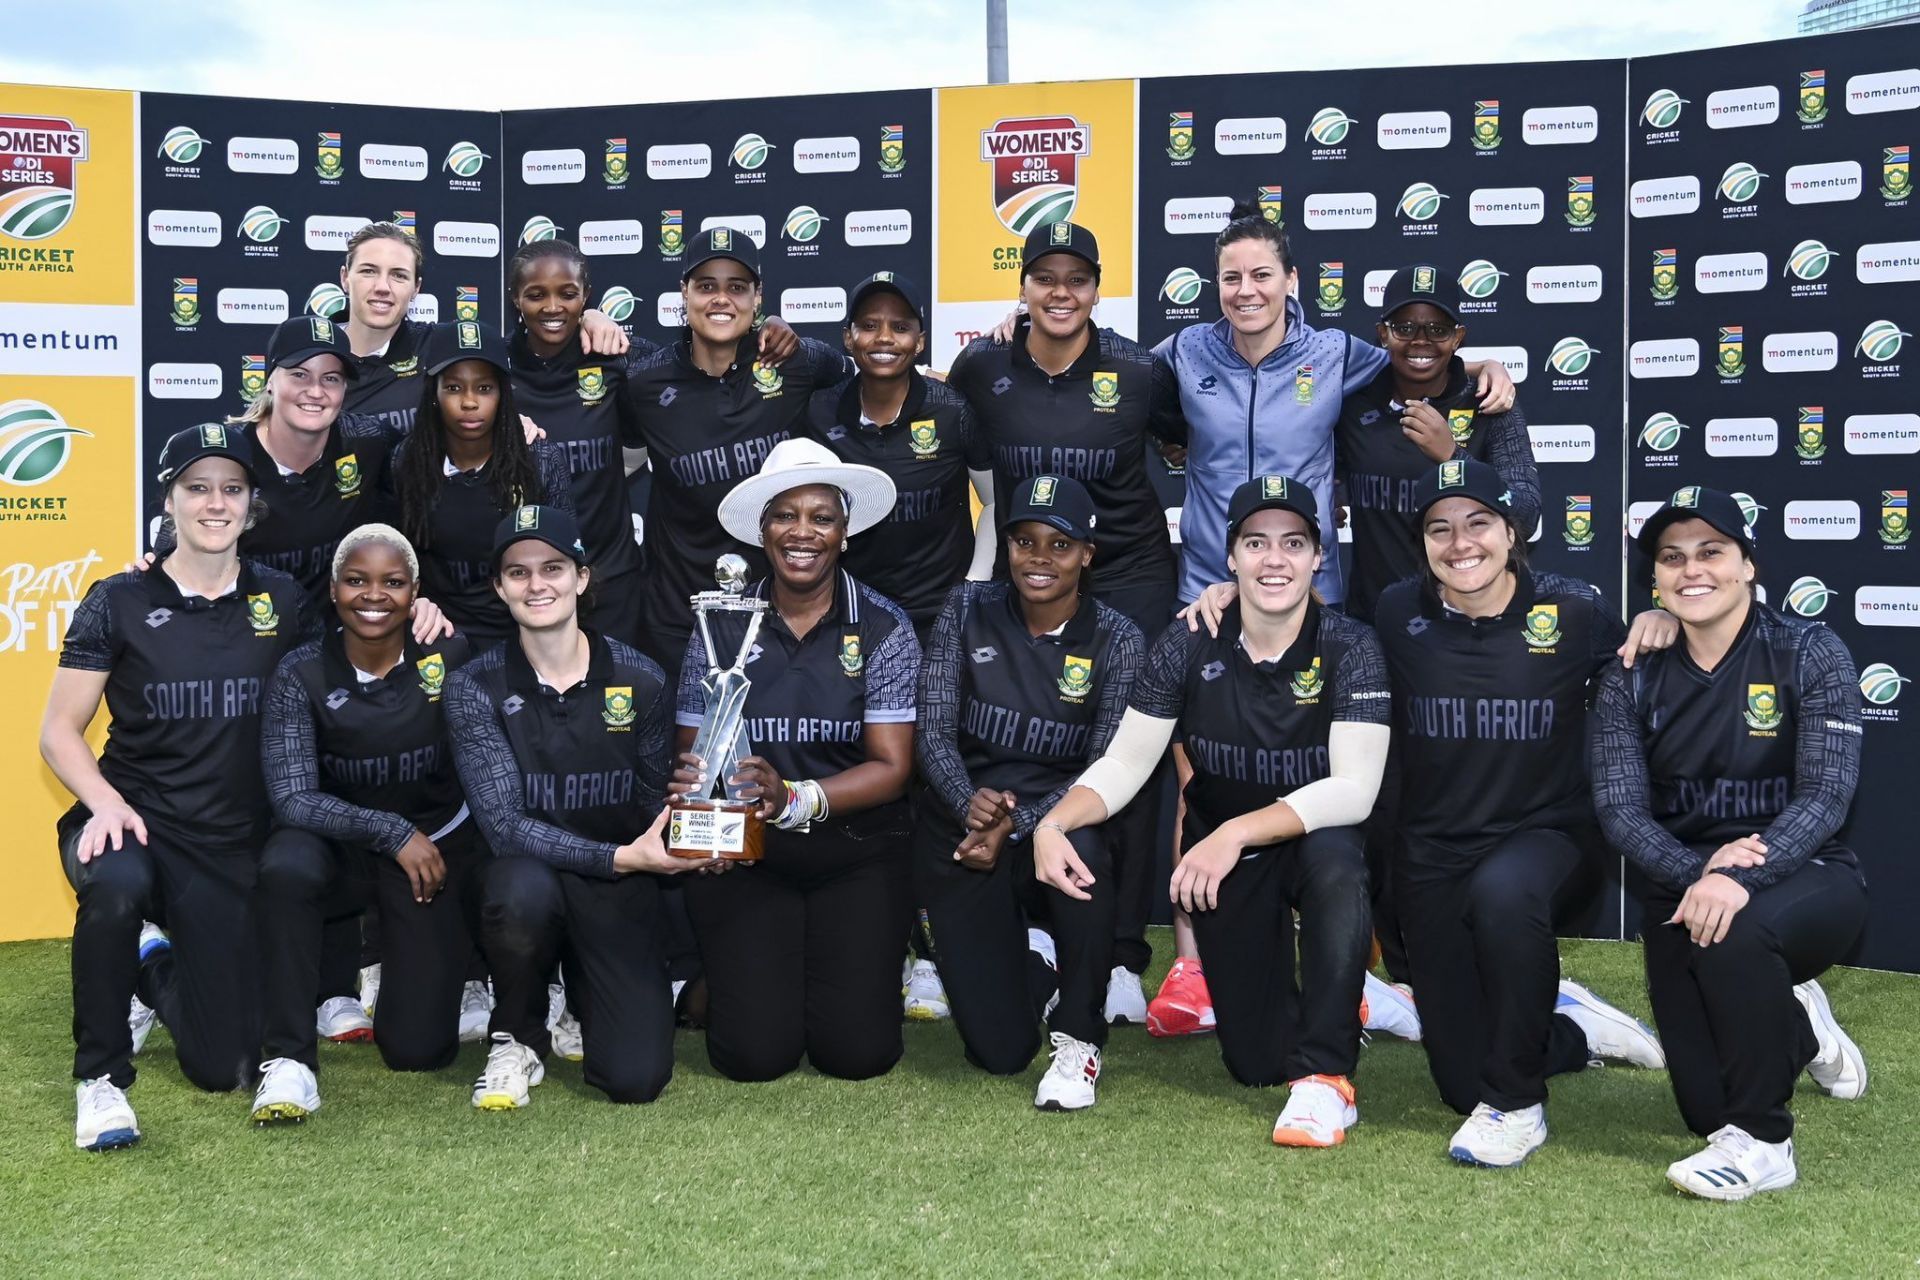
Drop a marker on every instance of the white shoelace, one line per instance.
(504, 1062)
(97, 1089)
(1070, 1055)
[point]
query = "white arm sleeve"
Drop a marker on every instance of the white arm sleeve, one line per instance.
(986, 543)
(1138, 745)
(1357, 756)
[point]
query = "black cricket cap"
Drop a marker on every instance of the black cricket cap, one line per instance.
(887, 282)
(1059, 237)
(1422, 282)
(557, 528)
(1059, 502)
(1464, 478)
(1696, 502)
(1272, 493)
(723, 242)
(296, 341)
(208, 440)
(449, 344)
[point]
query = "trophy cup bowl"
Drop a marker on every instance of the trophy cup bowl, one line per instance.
(719, 822)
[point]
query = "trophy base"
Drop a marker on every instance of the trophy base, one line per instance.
(707, 829)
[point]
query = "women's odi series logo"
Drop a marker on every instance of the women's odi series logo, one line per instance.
(1035, 169)
(39, 157)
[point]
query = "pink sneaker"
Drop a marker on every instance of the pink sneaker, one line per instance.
(1182, 1006)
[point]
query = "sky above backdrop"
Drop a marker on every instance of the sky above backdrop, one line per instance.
(490, 54)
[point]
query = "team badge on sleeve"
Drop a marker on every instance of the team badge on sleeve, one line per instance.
(346, 475)
(433, 675)
(1543, 626)
(923, 438)
(851, 660)
(1763, 713)
(593, 385)
(618, 709)
(1106, 390)
(767, 380)
(1460, 423)
(1076, 678)
(261, 615)
(1308, 685)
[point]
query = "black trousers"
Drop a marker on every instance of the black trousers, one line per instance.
(1139, 849)
(1383, 851)
(1735, 1037)
(202, 988)
(1273, 1030)
(610, 937)
(979, 922)
(802, 951)
(1486, 967)
(307, 882)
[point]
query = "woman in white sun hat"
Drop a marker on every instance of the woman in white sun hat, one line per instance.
(803, 950)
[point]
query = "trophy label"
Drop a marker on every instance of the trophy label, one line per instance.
(714, 832)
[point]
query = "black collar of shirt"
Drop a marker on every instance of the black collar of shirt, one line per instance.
(1726, 662)
(745, 352)
(331, 452)
(1384, 392)
(1298, 656)
(400, 348)
(166, 593)
(343, 674)
(848, 414)
(525, 361)
(1082, 366)
(1432, 606)
(522, 678)
(1076, 634)
(845, 608)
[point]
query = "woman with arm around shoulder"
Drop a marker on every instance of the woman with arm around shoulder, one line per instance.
(1724, 770)
(802, 949)
(1491, 666)
(1284, 716)
(1022, 689)
(168, 822)
(560, 735)
(360, 771)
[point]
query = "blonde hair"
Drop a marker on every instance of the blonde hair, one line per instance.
(370, 535)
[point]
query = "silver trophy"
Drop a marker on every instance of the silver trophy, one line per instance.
(719, 821)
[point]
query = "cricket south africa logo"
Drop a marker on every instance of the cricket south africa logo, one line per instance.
(39, 160)
(1035, 169)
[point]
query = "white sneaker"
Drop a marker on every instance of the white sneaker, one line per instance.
(288, 1093)
(103, 1118)
(1612, 1035)
(476, 1011)
(1499, 1139)
(924, 994)
(344, 1020)
(1318, 1113)
(1068, 1084)
(140, 1020)
(569, 1041)
(1839, 1068)
(153, 940)
(1735, 1165)
(512, 1070)
(369, 987)
(1040, 942)
(1388, 1007)
(1126, 1002)
(679, 985)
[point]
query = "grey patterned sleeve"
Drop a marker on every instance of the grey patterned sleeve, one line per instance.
(290, 757)
(1159, 690)
(654, 744)
(1826, 769)
(690, 706)
(1360, 693)
(1617, 763)
(892, 669)
(491, 777)
(90, 641)
(1116, 689)
(556, 475)
(936, 745)
(1510, 450)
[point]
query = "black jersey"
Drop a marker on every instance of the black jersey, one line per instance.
(1767, 742)
(310, 511)
(813, 696)
(579, 401)
(562, 776)
(456, 560)
(388, 388)
(1090, 422)
(922, 549)
(186, 678)
(703, 436)
(1377, 467)
(1256, 731)
(1490, 714)
(362, 762)
(1001, 707)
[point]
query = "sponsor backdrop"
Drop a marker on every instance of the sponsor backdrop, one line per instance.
(1773, 255)
(1746, 286)
(1014, 156)
(830, 189)
(245, 214)
(69, 435)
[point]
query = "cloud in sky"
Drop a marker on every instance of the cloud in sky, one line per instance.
(494, 54)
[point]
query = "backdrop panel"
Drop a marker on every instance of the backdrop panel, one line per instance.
(1774, 251)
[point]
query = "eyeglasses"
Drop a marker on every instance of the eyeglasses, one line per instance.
(1432, 330)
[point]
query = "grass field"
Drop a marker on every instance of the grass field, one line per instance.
(934, 1170)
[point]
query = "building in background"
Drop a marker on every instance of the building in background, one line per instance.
(1822, 16)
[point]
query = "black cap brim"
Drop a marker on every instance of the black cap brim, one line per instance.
(1660, 521)
(870, 287)
(1276, 504)
(300, 355)
(534, 535)
(701, 261)
(1058, 522)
